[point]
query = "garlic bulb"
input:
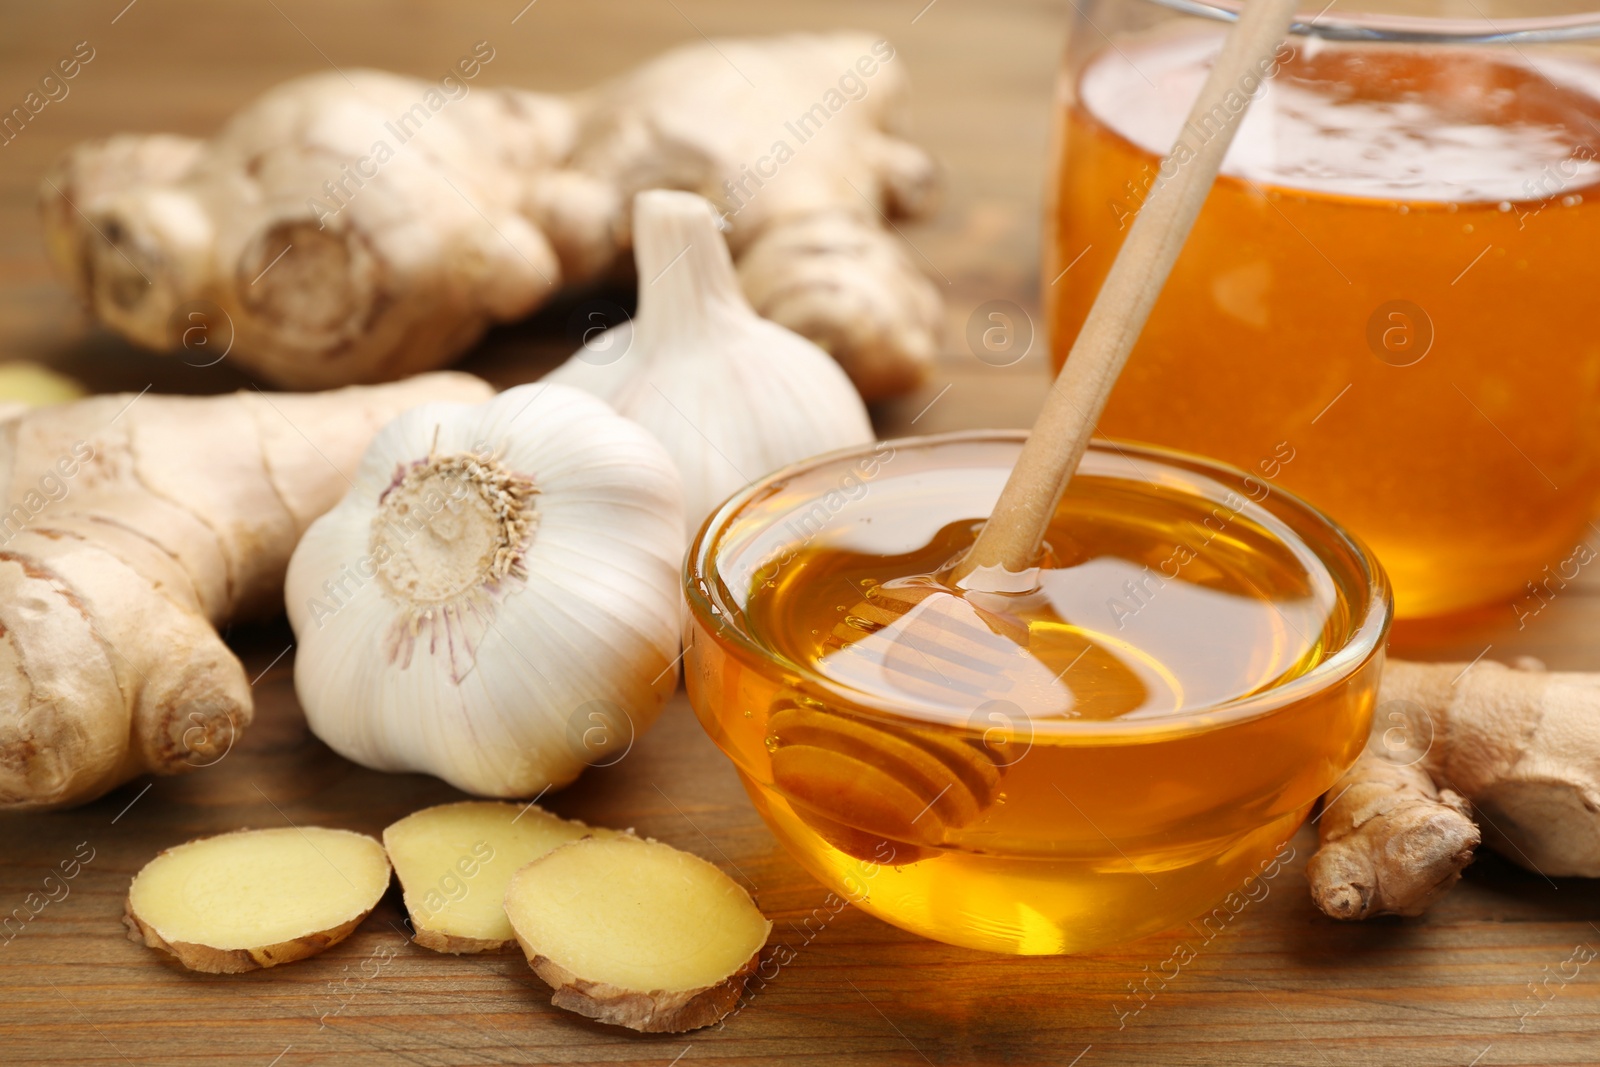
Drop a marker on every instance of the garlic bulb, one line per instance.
(732, 396)
(496, 600)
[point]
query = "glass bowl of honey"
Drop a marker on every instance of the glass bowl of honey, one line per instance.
(1149, 716)
(1391, 275)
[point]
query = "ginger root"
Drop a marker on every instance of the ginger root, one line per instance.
(364, 228)
(132, 527)
(793, 138)
(336, 228)
(256, 898)
(1391, 843)
(636, 933)
(455, 861)
(1522, 746)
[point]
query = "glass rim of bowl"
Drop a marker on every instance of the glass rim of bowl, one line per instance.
(1378, 27)
(1366, 633)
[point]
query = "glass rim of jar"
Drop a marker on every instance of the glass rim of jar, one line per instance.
(1378, 28)
(1368, 628)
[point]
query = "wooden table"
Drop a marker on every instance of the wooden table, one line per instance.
(1282, 984)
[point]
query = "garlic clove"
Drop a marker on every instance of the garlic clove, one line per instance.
(730, 395)
(498, 589)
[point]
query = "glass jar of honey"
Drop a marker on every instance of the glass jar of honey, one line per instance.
(1393, 273)
(1129, 742)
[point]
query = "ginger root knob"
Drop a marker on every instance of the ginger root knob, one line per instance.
(1392, 843)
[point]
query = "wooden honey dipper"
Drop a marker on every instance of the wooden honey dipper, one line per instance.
(957, 639)
(909, 784)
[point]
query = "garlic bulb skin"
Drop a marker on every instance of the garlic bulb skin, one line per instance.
(732, 396)
(497, 597)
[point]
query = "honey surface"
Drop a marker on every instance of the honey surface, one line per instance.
(1392, 275)
(1149, 604)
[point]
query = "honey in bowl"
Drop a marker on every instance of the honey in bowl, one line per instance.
(1120, 747)
(1391, 273)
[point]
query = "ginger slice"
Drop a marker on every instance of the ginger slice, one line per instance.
(455, 861)
(256, 898)
(636, 933)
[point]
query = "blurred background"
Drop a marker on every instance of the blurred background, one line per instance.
(981, 75)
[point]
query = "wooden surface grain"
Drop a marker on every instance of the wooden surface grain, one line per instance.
(1280, 985)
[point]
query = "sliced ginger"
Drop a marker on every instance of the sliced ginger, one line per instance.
(455, 861)
(256, 898)
(636, 933)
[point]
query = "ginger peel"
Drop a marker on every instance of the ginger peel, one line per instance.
(1521, 746)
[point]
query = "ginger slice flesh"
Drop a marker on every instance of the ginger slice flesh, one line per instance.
(256, 898)
(455, 861)
(636, 933)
